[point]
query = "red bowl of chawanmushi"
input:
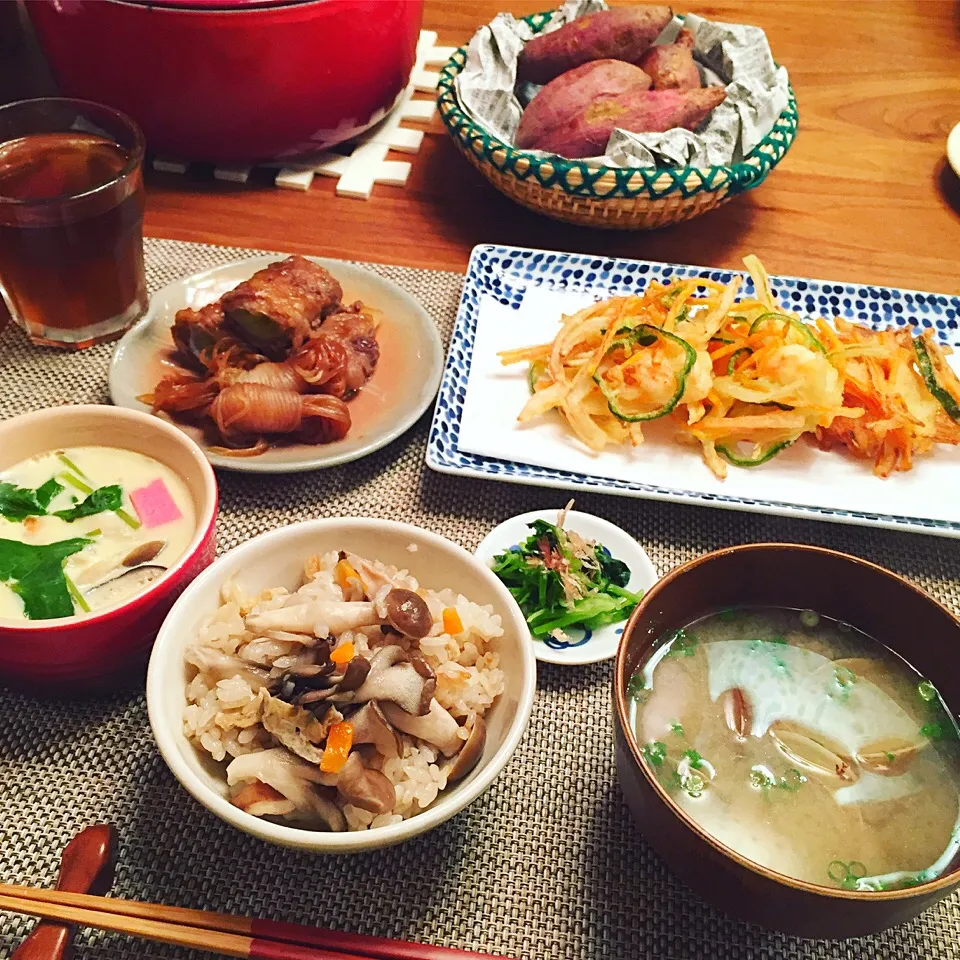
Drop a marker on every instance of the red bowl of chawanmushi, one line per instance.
(106, 515)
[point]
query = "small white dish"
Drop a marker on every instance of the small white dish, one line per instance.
(400, 390)
(583, 647)
(953, 149)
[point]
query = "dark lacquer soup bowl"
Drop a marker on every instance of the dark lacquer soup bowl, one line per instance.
(852, 591)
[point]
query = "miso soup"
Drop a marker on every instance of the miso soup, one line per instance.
(805, 746)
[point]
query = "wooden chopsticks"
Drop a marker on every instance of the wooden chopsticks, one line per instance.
(228, 934)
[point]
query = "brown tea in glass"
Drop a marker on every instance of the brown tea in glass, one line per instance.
(71, 221)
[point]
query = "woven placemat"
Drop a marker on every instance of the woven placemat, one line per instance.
(547, 864)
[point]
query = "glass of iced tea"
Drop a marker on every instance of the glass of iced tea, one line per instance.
(71, 221)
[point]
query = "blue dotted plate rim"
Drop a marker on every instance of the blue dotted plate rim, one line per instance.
(506, 272)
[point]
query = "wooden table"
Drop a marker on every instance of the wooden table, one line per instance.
(865, 194)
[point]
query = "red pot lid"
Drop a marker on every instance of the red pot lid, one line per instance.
(212, 5)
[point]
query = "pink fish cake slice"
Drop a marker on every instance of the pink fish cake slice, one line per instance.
(154, 505)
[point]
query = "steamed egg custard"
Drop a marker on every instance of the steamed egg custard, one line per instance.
(803, 745)
(87, 528)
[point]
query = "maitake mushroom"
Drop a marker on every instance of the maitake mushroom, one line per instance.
(370, 725)
(391, 677)
(318, 617)
(405, 611)
(219, 666)
(436, 726)
(290, 777)
(389, 690)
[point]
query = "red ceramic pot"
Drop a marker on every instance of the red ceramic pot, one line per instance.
(93, 651)
(234, 80)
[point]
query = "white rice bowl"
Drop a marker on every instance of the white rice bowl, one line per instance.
(487, 669)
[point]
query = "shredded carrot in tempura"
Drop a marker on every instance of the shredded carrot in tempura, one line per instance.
(743, 378)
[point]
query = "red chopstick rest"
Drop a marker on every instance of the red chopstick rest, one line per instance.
(86, 866)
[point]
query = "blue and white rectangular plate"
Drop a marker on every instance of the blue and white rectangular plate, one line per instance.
(514, 297)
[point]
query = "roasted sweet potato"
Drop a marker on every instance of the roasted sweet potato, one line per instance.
(570, 94)
(644, 111)
(621, 34)
(671, 65)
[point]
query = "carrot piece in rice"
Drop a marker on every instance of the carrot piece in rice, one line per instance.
(339, 742)
(452, 623)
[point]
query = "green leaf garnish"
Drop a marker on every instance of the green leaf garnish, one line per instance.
(18, 503)
(101, 500)
(537, 369)
(760, 779)
(782, 666)
(847, 875)
(809, 618)
(636, 685)
(933, 731)
(562, 581)
(763, 779)
(654, 753)
(836, 870)
(693, 784)
(842, 685)
(35, 574)
(671, 295)
(792, 781)
(683, 644)
(47, 492)
(131, 522)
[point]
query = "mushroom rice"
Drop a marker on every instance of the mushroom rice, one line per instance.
(350, 703)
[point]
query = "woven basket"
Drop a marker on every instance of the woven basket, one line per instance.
(610, 197)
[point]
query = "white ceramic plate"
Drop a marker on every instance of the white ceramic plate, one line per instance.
(514, 297)
(584, 646)
(400, 390)
(953, 149)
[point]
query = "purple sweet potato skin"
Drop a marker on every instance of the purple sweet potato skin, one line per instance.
(659, 110)
(645, 111)
(671, 65)
(624, 33)
(573, 92)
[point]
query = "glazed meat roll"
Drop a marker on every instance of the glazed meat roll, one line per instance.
(196, 332)
(356, 330)
(278, 307)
